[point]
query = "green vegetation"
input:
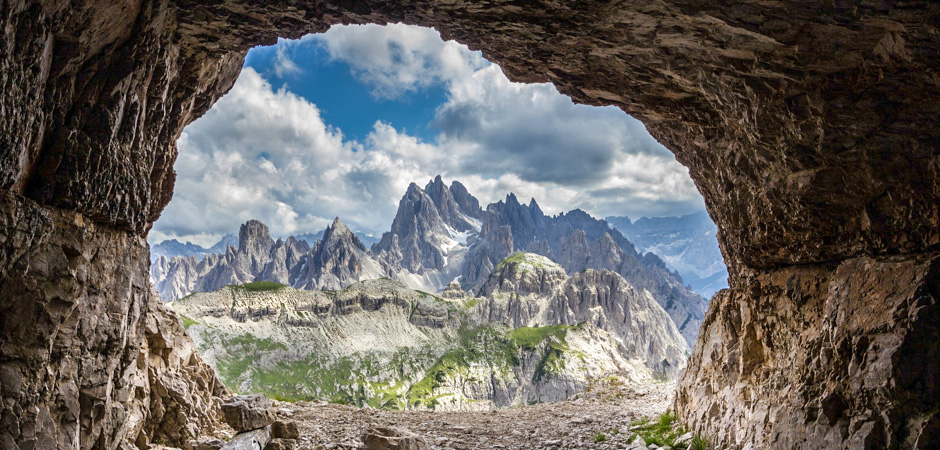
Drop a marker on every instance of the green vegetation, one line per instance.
(529, 337)
(188, 321)
(664, 431)
(470, 303)
(599, 437)
(481, 345)
(523, 257)
(258, 286)
(700, 443)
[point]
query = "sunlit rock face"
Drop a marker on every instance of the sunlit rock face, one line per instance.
(810, 129)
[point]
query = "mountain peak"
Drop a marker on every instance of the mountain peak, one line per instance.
(413, 188)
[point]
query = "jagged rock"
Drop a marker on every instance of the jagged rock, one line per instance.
(68, 285)
(285, 430)
(392, 438)
(592, 325)
(336, 261)
(257, 439)
(454, 292)
(248, 412)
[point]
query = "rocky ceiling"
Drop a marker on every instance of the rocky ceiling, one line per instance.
(811, 129)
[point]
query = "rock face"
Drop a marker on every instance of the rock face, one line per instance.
(104, 361)
(853, 376)
(810, 130)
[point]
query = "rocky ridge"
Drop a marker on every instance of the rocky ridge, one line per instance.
(436, 239)
(379, 343)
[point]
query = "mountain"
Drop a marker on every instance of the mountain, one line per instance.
(173, 248)
(537, 335)
(577, 241)
(439, 235)
(687, 244)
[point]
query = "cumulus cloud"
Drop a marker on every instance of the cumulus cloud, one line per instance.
(396, 59)
(267, 153)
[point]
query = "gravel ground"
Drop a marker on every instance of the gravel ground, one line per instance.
(597, 419)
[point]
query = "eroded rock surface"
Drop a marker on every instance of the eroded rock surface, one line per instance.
(90, 356)
(802, 359)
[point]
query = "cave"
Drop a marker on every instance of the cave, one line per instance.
(811, 130)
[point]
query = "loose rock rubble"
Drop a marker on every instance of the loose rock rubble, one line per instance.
(598, 419)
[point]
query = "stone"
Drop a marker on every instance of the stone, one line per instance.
(285, 430)
(248, 412)
(207, 444)
(281, 444)
(250, 440)
(684, 439)
(392, 438)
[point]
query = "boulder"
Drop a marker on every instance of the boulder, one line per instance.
(250, 440)
(285, 430)
(248, 412)
(393, 438)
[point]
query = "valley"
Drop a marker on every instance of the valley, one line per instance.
(532, 335)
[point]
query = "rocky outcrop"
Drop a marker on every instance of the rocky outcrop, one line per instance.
(424, 229)
(248, 412)
(577, 241)
(810, 130)
(800, 359)
(531, 290)
(89, 353)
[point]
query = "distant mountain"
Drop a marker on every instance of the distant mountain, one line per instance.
(439, 235)
(534, 335)
(173, 248)
(687, 244)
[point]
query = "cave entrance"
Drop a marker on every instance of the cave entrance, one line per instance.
(315, 152)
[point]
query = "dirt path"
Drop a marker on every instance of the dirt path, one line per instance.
(599, 419)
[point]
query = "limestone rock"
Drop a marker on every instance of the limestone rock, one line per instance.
(248, 412)
(257, 439)
(392, 438)
(285, 430)
(81, 292)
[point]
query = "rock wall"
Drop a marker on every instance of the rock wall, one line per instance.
(89, 356)
(843, 355)
(810, 129)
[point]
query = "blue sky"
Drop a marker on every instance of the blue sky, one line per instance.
(338, 124)
(345, 101)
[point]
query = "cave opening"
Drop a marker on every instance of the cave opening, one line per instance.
(341, 125)
(810, 130)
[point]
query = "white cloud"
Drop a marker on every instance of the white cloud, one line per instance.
(267, 154)
(397, 59)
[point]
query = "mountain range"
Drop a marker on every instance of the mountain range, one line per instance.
(687, 244)
(533, 334)
(440, 234)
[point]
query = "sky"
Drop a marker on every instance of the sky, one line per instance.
(339, 124)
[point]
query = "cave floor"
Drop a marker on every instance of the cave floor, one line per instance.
(597, 419)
